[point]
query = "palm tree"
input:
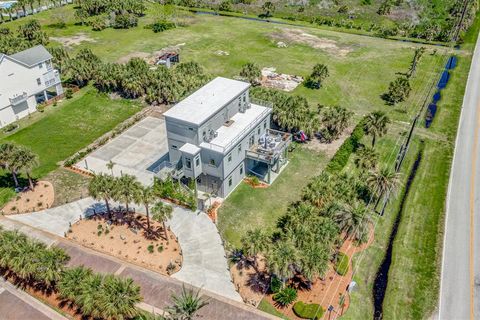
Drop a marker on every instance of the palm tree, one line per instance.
(254, 242)
(281, 258)
(366, 158)
(186, 305)
(51, 265)
(162, 212)
(127, 187)
(383, 181)
(375, 125)
(90, 290)
(118, 298)
(28, 160)
(251, 72)
(69, 285)
(314, 260)
(354, 220)
(318, 75)
(103, 187)
(110, 166)
(146, 197)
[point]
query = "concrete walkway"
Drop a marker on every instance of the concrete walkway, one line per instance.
(156, 289)
(204, 262)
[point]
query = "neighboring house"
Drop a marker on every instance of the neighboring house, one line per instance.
(27, 78)
(219, 134)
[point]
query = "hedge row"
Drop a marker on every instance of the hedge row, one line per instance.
(308, 311)
(342, 264)
(350, 145)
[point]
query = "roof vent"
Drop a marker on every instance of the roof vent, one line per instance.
(228, 123)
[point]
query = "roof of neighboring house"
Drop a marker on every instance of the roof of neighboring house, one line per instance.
(190, 149)
(32, 56)
(207, 101)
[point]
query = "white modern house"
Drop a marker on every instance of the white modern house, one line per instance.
(27, 78)
(219, 134)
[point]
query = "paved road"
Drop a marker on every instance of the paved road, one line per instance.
(18, 305)
(155, 288)
(460, 279)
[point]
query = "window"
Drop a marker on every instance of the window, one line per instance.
(174, 147)
(244, 98)
(188, 163)
(197, 161)
(265, 124)
(239, 147)
(230, 157)
(40, 66)
(39, 82)
(191, 129)
(241, 170)
(230, 181)
(258, 131)
(252, 140)
(212, 162)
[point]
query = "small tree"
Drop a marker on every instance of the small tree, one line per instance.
(268, 9)
(251, 72)
(162, 212)
(375, 125)
(317, 77)
(146, 197)
(186, 304)
(398, 91)
(103, 187)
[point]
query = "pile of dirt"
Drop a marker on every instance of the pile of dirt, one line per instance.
(74, 40)
(151, 58)
(285, 82)
(40, 198)
(298, 36)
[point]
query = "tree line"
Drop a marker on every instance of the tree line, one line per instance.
(333, 207)
(30, 263)
(25, 36)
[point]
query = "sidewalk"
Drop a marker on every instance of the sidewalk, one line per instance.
(156, 289)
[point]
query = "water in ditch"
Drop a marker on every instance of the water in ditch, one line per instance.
(381, 279)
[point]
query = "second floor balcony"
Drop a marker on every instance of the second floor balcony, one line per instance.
(18, 98)
(51, 78)
(270, 146)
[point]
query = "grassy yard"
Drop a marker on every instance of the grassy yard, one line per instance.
(247, 208)
(67, 128)
(360, 67)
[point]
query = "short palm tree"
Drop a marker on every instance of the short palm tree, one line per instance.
(375, 125)
(280, 259)
(366, 158)
(255, 242)
(90, 296)
(145, 196)
(314, 260)
(103, 187)
(354, 220)
(9, 159)
(186, 305)
(383, 181)
(110, 166)
(28, 160)
(118, 298)
(162, 212)
(51, 265)
(68, 287)
(127, 187)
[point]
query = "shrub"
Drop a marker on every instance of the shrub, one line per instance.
(150, 248)
(286, 296)
(226, 5)
(255, 180)
(10, 127)
(341, 264)
(308, 310)
(160, 249)
(68, 93)
(163, 25)
(275, 284)
(98, 23)
(41, 107)
(125, 21)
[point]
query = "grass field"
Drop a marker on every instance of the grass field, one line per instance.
(247, 208)
(73, 126)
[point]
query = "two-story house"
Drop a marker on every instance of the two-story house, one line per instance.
(26, 79)
(219, 134)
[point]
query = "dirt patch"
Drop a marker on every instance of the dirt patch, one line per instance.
(281, 81)
(151, 58)
(128, 239)
(251, 284)
(136, 54)
(329, 148)
(40, 198)
(68, 185)
(298, 36)
(74, 40)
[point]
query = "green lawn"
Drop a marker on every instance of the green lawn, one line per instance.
(247, 208)
(71, 126)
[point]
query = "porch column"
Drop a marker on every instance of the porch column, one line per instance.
(268, 174)
(45, 95)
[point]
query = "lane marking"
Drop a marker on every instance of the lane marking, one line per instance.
(472, 212)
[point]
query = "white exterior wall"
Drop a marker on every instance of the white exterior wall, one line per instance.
(15, 78)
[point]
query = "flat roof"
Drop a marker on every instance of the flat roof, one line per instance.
(206, 101)
(190, 149)
(242, 124)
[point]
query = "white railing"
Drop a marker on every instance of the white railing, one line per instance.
(262, 103)
(19, 98)
(223, 149)
(50, 78)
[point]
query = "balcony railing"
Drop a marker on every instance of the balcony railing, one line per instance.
(50, 78)
(19, 98)
(272, 147)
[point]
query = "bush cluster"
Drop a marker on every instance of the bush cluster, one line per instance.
(169, 189)
(342, 263)
(340, 159)
(311, 311)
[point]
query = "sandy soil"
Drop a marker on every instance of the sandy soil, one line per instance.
(150, 58)
(329, 148)
(281, 81)
(298, 36)
(74, 40)
(325, 291)
(41, 197)
(130, 243)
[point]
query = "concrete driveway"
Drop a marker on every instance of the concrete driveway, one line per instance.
(133, 152)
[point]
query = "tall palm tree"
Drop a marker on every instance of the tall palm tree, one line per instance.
(145, 196)
(383, 181)
(186, 305)
(162, 212)
(354, 220)
(254, 242)
(28, 160)
(280, 259)
(103, 187)
(118, 298)
(375, 125)
(127, 187)
(9, 153)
